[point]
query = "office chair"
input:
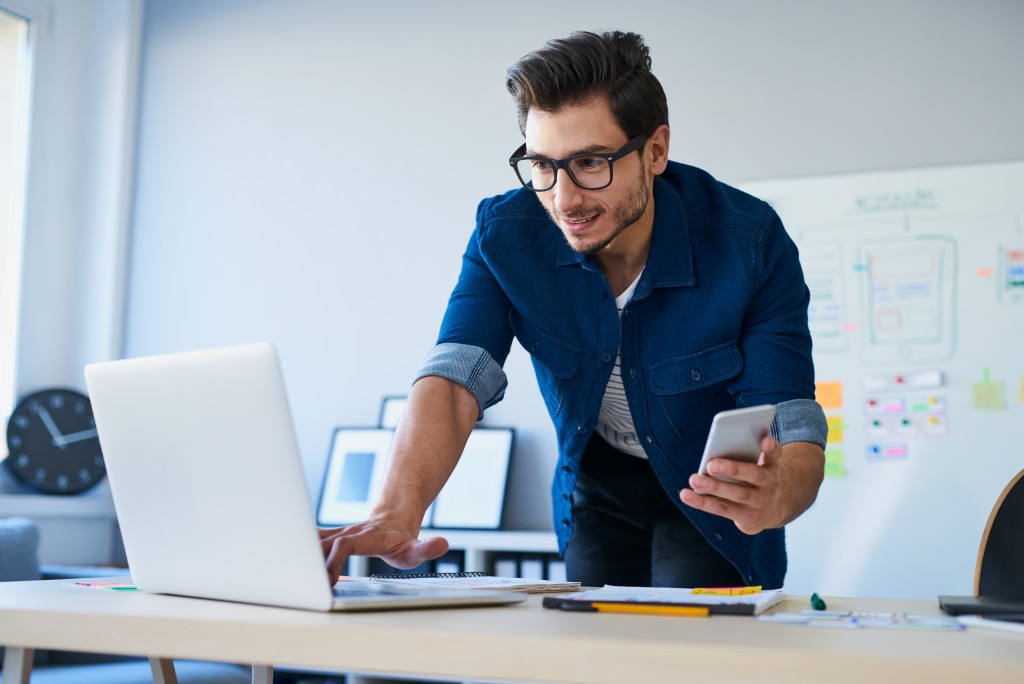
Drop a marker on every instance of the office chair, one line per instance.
(1000, 569)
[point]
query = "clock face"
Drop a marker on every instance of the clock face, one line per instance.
(52, 442)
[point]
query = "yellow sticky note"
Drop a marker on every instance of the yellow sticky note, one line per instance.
(835, 429)
(829, 394)
(988, 396)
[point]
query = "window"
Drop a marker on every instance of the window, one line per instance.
(14, 99)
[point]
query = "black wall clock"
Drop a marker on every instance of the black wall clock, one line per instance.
(52, 442)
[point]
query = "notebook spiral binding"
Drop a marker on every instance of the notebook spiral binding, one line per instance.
(426, 575)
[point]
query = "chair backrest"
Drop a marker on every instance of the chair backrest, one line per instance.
(1000, 569)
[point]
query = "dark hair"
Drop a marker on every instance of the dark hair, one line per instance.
(585, 65)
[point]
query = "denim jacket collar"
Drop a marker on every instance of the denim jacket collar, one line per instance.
(670, 261)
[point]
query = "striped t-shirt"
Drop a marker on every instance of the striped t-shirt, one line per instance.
(615, 423)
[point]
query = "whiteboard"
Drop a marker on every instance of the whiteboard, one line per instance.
(917, 316)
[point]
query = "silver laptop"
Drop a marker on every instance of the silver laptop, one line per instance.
(209, 488)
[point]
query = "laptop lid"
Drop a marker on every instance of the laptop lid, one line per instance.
(207, 480)
(981, 605)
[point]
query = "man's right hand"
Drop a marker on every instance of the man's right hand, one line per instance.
(388, 541)
(439, 417)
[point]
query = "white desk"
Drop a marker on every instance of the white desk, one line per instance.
(521, 642)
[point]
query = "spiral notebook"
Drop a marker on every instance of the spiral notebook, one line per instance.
(475, 580)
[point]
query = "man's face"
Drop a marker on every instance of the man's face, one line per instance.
(590, 220)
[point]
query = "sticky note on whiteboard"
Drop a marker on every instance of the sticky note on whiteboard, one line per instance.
(835, 463)
(887, 451)
(988, 396)
(891, 382)
(835, 429)
(829, 394)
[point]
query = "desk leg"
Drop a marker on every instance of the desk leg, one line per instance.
(17, 665)
(163, 671)
(262, 674)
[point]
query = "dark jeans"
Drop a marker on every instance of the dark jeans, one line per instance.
(630, 533)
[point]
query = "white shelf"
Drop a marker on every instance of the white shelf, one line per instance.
(77, 529)
(98, 505)
(497, 540)
(477, 545)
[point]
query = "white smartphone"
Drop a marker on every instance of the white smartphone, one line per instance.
(737, 434)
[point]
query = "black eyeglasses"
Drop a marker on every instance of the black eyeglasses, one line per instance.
(588, 170)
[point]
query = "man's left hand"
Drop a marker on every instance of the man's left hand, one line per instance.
(763, 495)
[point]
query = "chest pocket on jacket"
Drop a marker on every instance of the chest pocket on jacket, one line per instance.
(554, 361)
(693, 388)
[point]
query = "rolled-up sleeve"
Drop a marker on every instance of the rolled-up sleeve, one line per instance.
(472, 367)
(800, 420)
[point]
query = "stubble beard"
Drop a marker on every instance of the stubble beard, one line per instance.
(623, 216)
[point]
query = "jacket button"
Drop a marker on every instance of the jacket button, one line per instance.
(566, 469)
(565, 496)
(695, 375)
(565, 522)
(718, 536)
(606, 357)
(581, 429)
(535, 346)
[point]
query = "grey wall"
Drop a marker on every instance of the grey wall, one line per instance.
(308, 171)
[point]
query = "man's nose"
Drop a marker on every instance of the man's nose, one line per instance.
(567, 195)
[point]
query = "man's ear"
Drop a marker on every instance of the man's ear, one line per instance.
(657, 146)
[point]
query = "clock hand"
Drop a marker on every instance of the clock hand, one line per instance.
(79, 436)
(51, 427)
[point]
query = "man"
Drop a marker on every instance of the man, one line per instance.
(650, 297)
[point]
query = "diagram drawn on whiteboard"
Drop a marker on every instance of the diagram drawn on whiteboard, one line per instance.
(916, 312)
(1011, 272)
(908, 295)
(827, 310)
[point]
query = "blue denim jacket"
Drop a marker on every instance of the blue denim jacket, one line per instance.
(718, 321)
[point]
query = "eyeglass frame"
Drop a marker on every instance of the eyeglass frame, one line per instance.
(634, 144)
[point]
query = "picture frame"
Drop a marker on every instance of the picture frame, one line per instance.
(474, 496)
(353, 474)
(391, 410)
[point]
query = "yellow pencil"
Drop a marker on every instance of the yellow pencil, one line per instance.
(647, 609)
(727, 591)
